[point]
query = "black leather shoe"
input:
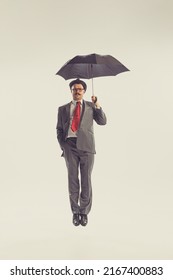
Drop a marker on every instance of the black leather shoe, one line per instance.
(83, 220)
(76, 219)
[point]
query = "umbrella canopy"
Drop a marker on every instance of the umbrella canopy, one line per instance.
(91, 66)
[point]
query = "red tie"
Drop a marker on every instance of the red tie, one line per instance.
(76, 117)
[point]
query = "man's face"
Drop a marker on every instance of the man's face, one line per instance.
(77, 92)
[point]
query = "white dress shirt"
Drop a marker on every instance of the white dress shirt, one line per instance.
(72, 108)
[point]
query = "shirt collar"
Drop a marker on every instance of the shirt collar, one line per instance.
(74, 102)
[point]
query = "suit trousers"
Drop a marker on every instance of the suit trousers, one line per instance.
(79, 165)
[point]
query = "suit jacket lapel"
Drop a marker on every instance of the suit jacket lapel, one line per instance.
(83, 110)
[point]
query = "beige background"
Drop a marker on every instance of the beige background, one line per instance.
(132, 209)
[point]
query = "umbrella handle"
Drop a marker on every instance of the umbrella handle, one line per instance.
(93, 92)
(95, 99)
(92, 87)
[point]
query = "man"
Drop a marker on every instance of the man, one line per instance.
(76, 138)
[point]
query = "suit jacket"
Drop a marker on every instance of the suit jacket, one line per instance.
(85, 133)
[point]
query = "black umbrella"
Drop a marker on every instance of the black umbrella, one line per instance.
(91, 66)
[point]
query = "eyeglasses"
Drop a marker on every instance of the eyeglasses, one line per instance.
(77, 89)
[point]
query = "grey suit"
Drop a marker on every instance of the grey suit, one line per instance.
(79, 153)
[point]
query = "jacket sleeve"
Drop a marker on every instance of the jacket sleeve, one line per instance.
(99, 116)
(59, 128)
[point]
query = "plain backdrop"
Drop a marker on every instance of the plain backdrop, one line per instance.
(132, 211)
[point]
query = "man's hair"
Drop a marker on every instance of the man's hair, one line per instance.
(78, 81)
